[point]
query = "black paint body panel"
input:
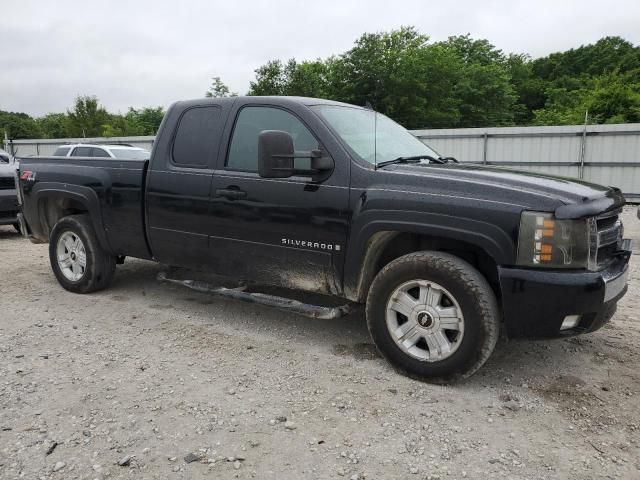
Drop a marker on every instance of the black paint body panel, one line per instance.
(110, 190)
(535, 302)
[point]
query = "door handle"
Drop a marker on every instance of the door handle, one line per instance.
(231, 193)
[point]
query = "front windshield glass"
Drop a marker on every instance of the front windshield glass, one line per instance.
(130, 153)
(356, 127)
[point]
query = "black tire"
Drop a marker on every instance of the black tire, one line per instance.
(17, 227)
(100, 265)
(474, 296)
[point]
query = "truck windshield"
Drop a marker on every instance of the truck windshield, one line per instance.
(372, 136)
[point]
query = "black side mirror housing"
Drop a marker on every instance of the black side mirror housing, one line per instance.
(276, 157)
(275, 154)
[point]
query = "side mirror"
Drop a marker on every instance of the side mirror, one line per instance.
(275, 154)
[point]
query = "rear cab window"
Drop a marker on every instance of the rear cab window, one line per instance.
(197, 138)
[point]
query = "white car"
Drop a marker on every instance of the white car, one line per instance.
(123, 152)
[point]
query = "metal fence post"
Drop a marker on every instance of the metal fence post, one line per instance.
(485, 140)
(583, 143)
(583, 148)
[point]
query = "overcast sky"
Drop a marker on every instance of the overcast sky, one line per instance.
(149, 53)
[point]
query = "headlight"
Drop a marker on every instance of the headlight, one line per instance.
(544, 241)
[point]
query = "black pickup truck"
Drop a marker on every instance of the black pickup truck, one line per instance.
(330, 198)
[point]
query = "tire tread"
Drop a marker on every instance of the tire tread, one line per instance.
(474, 283)
(101, 265)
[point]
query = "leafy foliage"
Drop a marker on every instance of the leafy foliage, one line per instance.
(218, 89)
(87, 119)
(464, 82)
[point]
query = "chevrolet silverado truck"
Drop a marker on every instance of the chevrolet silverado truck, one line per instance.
(339, 200)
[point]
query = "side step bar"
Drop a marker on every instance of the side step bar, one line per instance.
(281, 303)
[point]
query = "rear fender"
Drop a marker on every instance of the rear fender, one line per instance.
(43, 192)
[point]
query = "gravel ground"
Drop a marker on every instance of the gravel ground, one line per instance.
(150, 380)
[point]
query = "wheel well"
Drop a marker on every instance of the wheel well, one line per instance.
(53, 209)
(398, 244)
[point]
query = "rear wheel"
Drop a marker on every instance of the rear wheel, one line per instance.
(433, 316)
(17, 227)
(78, 261)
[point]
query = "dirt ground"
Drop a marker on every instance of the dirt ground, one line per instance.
(150, 380)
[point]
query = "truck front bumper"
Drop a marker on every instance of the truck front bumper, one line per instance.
(8, 207)
(545, 303)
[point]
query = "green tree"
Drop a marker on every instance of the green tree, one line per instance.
(484, 91)
(371, 70)
(270, 79)
(18, 125)
(304, 79)
(307, 79)
(460, 82)
(53, 125)
(88, 118)
(529, 89)
(606, 55)
(218, 89)
(608, 98)
(146, 121)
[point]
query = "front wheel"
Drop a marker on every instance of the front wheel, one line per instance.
(78, 261)
(433, 316)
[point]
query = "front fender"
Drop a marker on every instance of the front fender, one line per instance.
(376, 229)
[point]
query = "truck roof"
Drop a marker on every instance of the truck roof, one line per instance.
(275, 99)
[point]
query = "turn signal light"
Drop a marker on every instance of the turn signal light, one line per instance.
(544, 231)
(544, 241)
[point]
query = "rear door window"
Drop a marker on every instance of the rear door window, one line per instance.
(81, 152)
(198, 137)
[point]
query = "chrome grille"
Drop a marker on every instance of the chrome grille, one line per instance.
(606, 233)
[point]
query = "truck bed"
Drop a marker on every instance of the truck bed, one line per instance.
(113, 188)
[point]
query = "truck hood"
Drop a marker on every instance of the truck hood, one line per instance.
(573, 198)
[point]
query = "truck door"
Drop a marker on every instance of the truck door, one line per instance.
(179, 184)
(290, 232)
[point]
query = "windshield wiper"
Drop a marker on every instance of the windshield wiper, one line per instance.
(413, 159)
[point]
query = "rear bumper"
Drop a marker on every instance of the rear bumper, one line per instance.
(536, 302)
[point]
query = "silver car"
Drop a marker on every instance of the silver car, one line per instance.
(120, 151)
